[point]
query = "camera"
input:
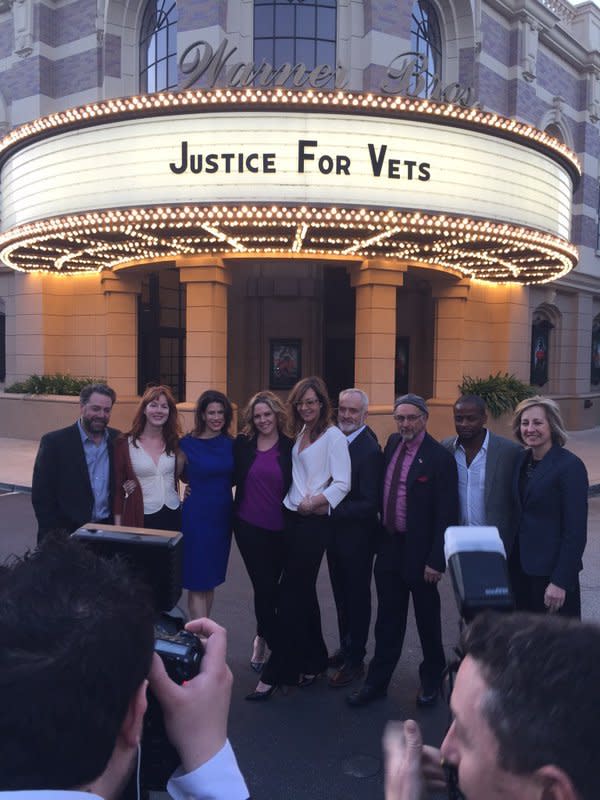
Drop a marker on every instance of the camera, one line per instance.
(181, 653)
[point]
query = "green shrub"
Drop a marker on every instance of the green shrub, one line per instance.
(501, 392)
(51, 384)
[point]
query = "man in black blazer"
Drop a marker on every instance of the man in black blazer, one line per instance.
(420, 500)
(352, 544)
(73, 470)
(486, 464)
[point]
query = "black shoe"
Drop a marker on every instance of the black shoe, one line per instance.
(365, 695)
(345, 675)
(336, 661)
(427, 696)
(260, 696)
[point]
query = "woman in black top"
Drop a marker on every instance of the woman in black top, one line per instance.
(262, 475)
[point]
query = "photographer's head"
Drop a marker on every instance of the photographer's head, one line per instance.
(525, 708)
(77, 641)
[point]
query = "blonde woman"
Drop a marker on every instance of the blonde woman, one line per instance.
(550, 491)
(262, 457)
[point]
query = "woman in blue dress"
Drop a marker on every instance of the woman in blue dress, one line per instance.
(207, 509)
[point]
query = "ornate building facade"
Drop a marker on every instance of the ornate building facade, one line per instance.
(391, 194)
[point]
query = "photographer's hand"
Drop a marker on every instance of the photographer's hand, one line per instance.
(196, 713)
(410, 767)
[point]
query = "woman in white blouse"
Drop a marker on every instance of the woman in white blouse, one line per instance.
(320, 480)
(146, 465)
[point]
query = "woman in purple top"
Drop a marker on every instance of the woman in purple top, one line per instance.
(262, 474)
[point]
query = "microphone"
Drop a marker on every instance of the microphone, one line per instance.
(476, 560)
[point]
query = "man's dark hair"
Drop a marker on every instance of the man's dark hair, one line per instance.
(543, 674)
(76, 642)
(473, 400)
(97, 388)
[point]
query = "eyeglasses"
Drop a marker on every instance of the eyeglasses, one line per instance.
(409, 418)
(307, 403)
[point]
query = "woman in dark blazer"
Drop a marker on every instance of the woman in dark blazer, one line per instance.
(262, 456)
(550, 491)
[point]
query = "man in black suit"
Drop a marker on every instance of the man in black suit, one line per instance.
(420, 500)
(352, 544)
(72, 475)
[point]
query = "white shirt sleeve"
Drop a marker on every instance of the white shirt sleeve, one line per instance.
(217, 779)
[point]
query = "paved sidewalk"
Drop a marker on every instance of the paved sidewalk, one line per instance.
(17, 457)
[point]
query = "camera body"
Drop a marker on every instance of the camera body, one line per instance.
(181, 653)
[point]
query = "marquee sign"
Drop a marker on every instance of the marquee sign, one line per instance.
(276, 153)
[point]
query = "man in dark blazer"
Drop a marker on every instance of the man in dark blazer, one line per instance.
(486, 465)
(420, 500)
(73, 470)
(352, 544)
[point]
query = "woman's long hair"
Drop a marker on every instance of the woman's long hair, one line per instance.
(273, 402)
(205, 399)
(318, 386)
(171, 429)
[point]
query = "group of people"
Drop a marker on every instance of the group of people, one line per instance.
(285, 488)
(533, 490)
(305, 487)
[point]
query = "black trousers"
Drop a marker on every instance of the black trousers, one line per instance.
(350, 560)
(529, 591)
(165, 519)
(299, 647)
(263, 554)
(393, 593)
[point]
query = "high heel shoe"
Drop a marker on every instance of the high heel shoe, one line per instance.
(259, 654)
(307, 680)
(258, 697)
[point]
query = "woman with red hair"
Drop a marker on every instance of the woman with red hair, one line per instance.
(146, 467)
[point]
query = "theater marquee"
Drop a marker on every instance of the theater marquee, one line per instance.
(311, 173)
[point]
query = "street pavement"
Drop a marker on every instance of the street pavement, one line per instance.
(309, 745)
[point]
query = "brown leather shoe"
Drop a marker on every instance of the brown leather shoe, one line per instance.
(345, 675)
(336, 661)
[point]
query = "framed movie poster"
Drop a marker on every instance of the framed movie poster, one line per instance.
(540, 346)
(284, 363)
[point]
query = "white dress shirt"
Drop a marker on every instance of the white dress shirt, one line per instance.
(471, 484)
(157, 480)
(218, 779)
(321, 468)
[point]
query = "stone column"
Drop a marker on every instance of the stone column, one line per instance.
(581, 353)
(120, 296)
(448, 354)
(376, 281)
(206, 282)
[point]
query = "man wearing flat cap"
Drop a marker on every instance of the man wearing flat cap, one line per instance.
(420, 500)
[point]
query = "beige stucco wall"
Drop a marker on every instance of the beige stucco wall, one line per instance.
(87, 325)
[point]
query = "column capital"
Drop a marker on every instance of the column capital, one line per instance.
(454, 291)
(203, 269)
(120, 283)
(378, 272)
